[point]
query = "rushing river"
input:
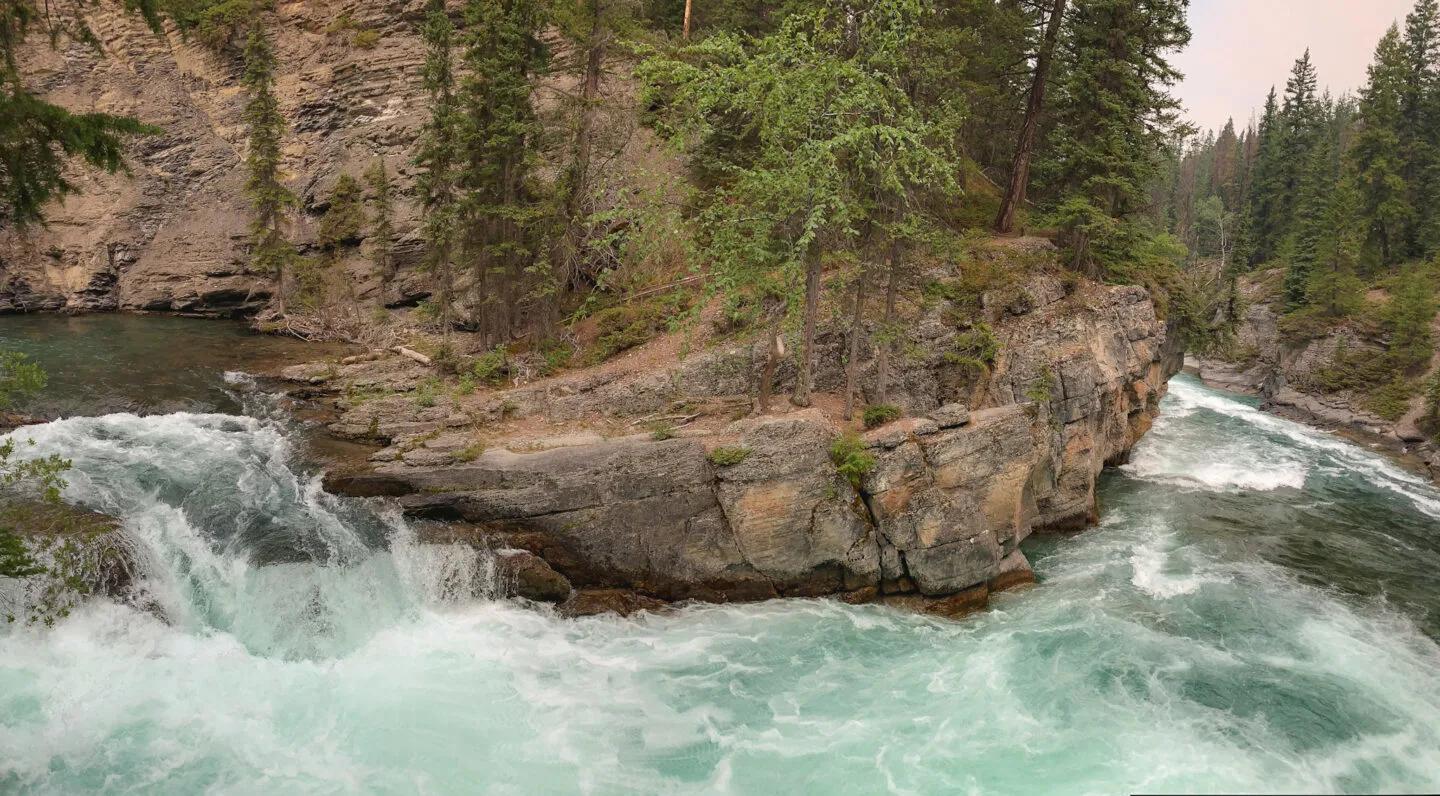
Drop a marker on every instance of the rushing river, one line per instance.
(1257, 613)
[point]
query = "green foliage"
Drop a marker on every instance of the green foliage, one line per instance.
(345, 217)
(1040, 390)
(493, 366)
(19, 378)
(1392, 400)
(365, 39)
(877, 415)
(38, 139)
(218, 25)
(662, 430)
(427, 393)
(469, 453)
(804, 164)
(270, 252)
(975, 349)
(850, 458)
(1119, 116)
(728, 457)
(19, 479)
(382, 224)
(634, 324)
(1408, 319)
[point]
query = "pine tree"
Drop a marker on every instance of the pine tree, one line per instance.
(345, 218)
(270, 252)
(437, 159)
(1333, 289)
(37, 138)
(503, 213)
(1377, 154)
(382, 224)
(1419, 125)
(1118, 116)
(1267, 184)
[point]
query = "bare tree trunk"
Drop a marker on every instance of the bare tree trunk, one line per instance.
(1020, 168)
(685, 31)
(882, 351)
(774, 351)
(852, 366)
(804, 375)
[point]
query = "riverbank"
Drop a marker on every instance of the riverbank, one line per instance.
(653, 477)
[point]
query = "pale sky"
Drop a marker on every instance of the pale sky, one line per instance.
(1242, 47)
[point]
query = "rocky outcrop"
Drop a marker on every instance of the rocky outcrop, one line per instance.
(1263, 363)
(756, 508)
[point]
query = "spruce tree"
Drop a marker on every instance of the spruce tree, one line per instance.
(1117, 118)
(498, 158)
(382, 215)
(437, 160)
(1419, 125)
(344, 219)
(1377, 154)
(270, 252)
(1267, 184)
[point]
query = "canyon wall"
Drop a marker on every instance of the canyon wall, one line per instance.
(172, 234)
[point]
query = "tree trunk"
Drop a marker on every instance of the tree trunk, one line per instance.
(772, 359)
(685, 30)
(804, 375)
(1020, 168)
(882, 351)
(852, 366)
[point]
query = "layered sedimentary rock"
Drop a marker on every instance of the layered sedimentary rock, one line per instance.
(936, 522)
(172, 233)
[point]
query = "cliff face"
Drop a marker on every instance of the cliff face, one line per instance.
(1271, 367)
(935, 524)
(173, 234)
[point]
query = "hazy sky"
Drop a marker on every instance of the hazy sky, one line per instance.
(1242, 47)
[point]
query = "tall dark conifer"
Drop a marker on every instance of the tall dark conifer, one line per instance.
(270, 252)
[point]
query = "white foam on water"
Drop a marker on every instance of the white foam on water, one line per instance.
(1145, 661)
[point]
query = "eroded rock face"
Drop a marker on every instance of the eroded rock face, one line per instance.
(935, 524)
(172, 235)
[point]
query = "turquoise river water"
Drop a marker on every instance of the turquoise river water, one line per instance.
(1258, 612)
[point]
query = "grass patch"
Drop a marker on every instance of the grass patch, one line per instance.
(728, 457)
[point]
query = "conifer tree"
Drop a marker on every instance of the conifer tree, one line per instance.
(382, 224)
(1333, 287)
(38, 138)
(502, 211)
(1267, 184)
(1377, 155)
(1118, 116)
(270, 252)
(1419, 125)
(438, 159)
(345, 218)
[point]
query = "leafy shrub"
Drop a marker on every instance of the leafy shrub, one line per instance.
(557, 355)
(493, 366)
(728, 457)
(662, 430)
(365, 39)
(851, 459)
(880, 414)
